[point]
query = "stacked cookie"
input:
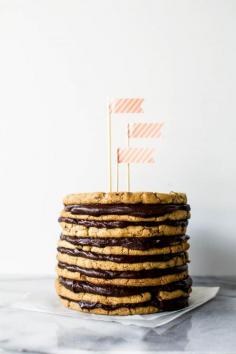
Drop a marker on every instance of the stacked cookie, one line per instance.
(124, 253)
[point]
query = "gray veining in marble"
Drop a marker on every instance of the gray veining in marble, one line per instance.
(208, 329)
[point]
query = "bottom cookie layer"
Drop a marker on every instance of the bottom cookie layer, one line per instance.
(148, 307)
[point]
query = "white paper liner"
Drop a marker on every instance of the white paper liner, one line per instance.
(48, 302)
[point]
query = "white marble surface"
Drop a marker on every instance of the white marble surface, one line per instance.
(210, 328)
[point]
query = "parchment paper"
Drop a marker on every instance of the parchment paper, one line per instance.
(48, 302)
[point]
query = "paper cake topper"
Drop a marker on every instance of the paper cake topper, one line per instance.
(130, 155)
(126, 105)
(135, 155)
(144, 130)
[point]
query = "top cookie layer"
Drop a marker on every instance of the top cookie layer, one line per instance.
(126, 198)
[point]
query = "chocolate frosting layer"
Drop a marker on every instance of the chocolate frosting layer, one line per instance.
(136, 243)
(120, 223)
(112, 290)
(140, 210)
(121, 258)
(163, 305)
(128, 274)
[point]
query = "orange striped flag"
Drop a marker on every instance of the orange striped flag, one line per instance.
(145, 130)
(135, 155)
(126, 105)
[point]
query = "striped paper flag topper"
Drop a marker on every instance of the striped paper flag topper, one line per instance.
(126, 105)
(144, 130)
(135, 155)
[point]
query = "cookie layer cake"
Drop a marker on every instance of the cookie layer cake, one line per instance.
(124, 253)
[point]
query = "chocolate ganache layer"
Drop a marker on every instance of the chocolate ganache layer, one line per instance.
(75, 252)
(121, 223)
(128, 274)
(118, 291)
(139, 210)
(136, 243)
(167, 305)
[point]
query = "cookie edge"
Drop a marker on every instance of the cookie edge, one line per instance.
(125, 198)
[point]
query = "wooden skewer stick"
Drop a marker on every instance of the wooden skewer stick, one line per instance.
(117, 172)
(109, 146)
(128, 165)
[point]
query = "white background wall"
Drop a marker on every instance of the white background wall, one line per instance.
(60, 60)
